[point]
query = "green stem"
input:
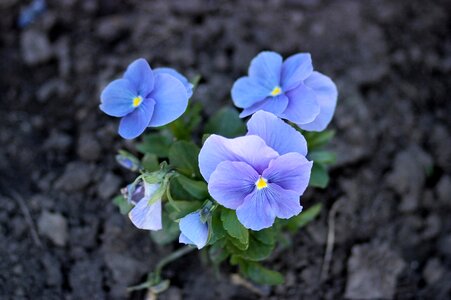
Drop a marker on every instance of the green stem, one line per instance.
(170, 258)
(155, 277)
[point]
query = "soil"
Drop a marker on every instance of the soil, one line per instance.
(388, 203)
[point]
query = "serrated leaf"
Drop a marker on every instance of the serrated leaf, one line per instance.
(122, 203)
(226, 122)
(150, 162)
(217, 230)
(304, 217)
(322, 157)
(183, 156)
(319, 176)
(197, 189)
(265, 236)
(317, 140)
(233, 226)
(184, 208)
(155, 143)
(259, 274)
(256, 251)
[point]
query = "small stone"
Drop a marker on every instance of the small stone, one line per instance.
(52, 268)
(109, 186)
(54, 227)
(76, 177)
(35, 47)
(409, 175)
(112, 27)
(433, 271)
(372, 272)
(443, 190)
(88, 147)
(54, 88)
(85, 279)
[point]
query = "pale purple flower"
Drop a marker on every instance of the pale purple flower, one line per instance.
(145, 98)
(289, 89)
(144, 215)
(193, 230)
(261, 175)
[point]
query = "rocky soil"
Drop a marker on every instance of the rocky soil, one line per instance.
(388, 205)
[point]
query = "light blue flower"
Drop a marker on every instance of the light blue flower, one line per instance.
(289, 89)
(144, 215)
(261, 175)
(144, 98)
(193, 230)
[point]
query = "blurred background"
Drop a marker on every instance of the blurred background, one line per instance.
(388, 204)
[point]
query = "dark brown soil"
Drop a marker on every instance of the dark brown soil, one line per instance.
(62, 238)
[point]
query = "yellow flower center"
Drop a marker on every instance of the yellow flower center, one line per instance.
(276, 91)
(261, 183)
(137, 101)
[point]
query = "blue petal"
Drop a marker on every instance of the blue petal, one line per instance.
(266, 69)
(249, 149)
(256, 212)
(247, 91)
(275, 105)
(326, 95)
(193, 230)
(295, 69)
(231, 182)
(133, 124)
(117, 98)
(290, 171)
(302, 106)
(284, 203)
(188, 85)
(141, 76)
(276, 133)
(171, 100)
(145, 216)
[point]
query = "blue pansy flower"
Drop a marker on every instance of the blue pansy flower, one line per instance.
(145, 98)
(289, 89)
(193, 230)
(260, 175)
(144, 215)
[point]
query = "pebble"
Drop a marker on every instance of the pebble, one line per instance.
(76, 177)
(35, 47)
(88, 148)
(54, 227)
(372, 272)
(108, 186)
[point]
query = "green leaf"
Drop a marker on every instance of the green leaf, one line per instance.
(155, 143)
(168, 234)
(317, 140)
(233, 227)
(217, 253)
(226, 122)
(322, 157)
(183, 127)
(217, 231)
(183, 208)
(256, 251)
(265, 236)
(197, 189)
(122, 203)
(259, 274)
(150, 162)
(183, 156)
(319, 177)
(304, 218)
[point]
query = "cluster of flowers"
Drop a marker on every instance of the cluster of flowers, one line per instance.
(260, 175)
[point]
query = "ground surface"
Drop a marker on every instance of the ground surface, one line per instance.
(390, 190)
